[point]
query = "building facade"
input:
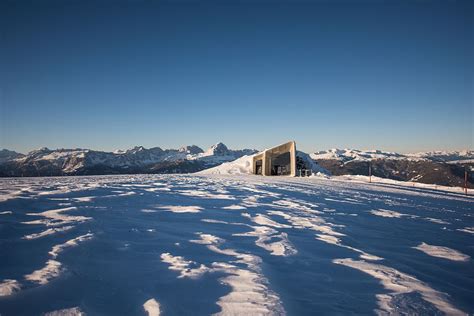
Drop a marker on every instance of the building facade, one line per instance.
(276, 161)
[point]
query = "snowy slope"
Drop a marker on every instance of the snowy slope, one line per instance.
(239, 245)
(242, 165)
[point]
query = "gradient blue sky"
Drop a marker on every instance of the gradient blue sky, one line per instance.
(392, 75)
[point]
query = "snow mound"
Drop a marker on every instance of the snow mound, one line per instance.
(243, 165)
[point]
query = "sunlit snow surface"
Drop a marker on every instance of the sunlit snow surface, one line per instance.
(230, 245)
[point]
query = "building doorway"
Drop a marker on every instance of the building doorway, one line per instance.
(258, 167)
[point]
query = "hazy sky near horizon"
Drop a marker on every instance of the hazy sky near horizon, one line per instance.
(392, 75)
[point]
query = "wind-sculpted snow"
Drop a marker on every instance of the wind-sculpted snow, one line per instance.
(73, 311)
(56, 217)
(152, 307)
(182, 209)
(185, 267)
(265, 236)
(394, 214)
(8, 287)
(42, 276)
(442, 252)
(386, 213)
(250, 294)
(469, 230)
(70, 243)
(400, 283)
(232, 245)
(53, 267)
(47, 232)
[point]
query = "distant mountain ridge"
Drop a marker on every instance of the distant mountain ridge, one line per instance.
(346, 155)
(6, 155)
(435, 167)
(47, 162)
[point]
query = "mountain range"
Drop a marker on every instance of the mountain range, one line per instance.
(47, 162)
(346, 155)
(436, 167)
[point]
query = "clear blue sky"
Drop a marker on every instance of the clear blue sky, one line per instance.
(393, 75)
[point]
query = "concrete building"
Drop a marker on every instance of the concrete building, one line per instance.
(276, 161)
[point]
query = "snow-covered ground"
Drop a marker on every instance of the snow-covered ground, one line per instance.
(233, 245)
(382, 181)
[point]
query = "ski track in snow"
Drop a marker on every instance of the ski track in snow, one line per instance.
(249, 226)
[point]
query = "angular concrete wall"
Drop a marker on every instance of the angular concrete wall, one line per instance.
(267, 155)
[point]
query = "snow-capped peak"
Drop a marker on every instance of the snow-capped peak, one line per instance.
(218, 149)
(355, 154)
(191, 149)
(135, 150)
(40, 150)
(346, 155)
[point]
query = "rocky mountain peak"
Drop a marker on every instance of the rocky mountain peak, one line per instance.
(218, 149)
(191, 149)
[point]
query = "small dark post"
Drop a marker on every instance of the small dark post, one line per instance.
(465, 181)
(370, 171)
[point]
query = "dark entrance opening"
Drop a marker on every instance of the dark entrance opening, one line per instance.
(281, 165)
(258, 166)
